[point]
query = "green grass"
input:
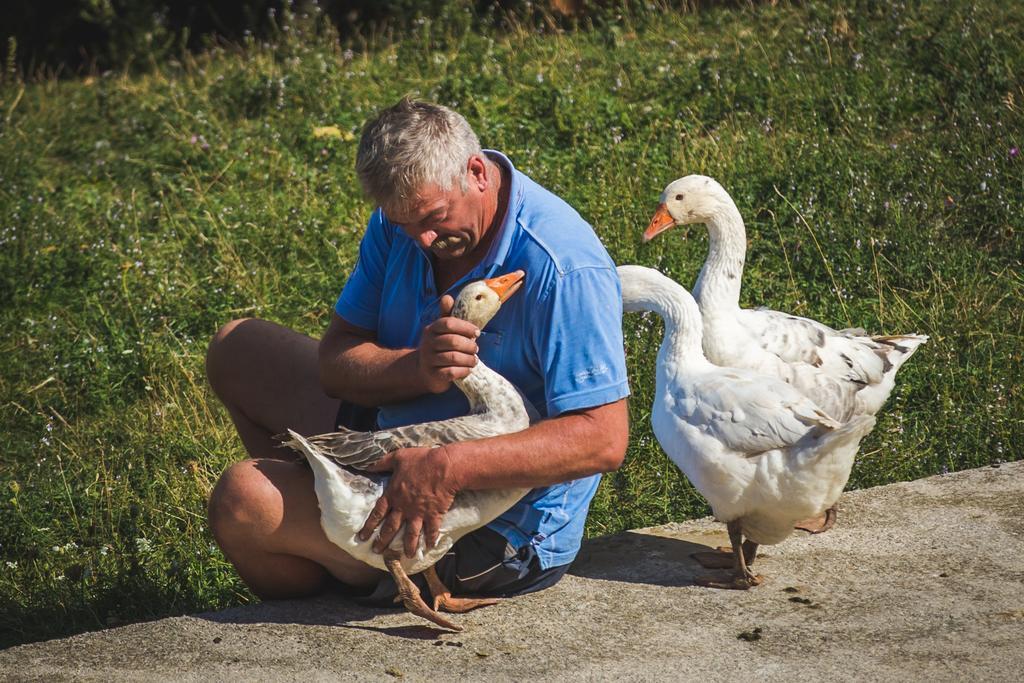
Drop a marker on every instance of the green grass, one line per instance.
(867, 145)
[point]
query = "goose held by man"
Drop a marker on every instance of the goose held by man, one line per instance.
(347, 497)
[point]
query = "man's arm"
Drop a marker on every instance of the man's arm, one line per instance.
(424, 481)
(355, 368)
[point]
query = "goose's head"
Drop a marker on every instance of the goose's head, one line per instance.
(691, 199)
(479, 301)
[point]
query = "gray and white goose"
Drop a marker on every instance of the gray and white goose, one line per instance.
(347, 497)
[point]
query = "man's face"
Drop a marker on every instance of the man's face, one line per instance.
(448, 223)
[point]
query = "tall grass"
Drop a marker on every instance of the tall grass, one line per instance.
(871, 147)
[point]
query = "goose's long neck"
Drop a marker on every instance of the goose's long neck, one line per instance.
(644, 289)
(718, 285)
(489, 392)
(479, 386)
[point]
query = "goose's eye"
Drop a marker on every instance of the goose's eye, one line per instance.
(679, 197)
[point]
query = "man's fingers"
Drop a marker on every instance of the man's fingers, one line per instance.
(446, 305)
(453, 373)
(431, 530)
(388, 531)
(454, 359)
(412, 536)
(453, 342)
(385, 464)
(462, 328)
(376, 515)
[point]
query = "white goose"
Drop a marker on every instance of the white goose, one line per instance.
(346, 498)
(845, 372)
(763, 454)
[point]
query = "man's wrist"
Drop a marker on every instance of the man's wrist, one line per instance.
(411, 369)
(450, 459)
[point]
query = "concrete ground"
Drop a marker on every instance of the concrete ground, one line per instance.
(918, 581)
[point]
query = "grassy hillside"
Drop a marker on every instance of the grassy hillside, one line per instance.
(873, 149)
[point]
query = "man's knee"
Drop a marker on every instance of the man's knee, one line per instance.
(241, 504)
(223, 351)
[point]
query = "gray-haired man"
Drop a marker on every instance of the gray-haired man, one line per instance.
(449, 213)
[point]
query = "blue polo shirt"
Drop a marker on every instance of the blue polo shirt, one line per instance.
(559, 338)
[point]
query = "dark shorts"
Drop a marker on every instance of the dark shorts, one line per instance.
(481, 564)
(356, 418)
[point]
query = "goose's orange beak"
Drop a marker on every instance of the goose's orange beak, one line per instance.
(661, 222)
(506, 285)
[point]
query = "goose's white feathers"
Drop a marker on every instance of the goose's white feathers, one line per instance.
(763, 454)
(742, 414)
(346, 499)
(845, 372)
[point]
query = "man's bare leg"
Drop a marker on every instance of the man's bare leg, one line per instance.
(265, 517)
(266, 376)
(264, 513)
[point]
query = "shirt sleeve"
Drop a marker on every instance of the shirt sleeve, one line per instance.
(359, 302)
(578, 340)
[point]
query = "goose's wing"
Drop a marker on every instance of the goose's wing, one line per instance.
(789, 337)
(749, 413)
(845, 354)
(361, 449)
(837, 397)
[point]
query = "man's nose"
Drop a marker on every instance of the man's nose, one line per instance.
(426, 238)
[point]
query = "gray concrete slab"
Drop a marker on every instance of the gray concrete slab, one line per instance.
(918, 581)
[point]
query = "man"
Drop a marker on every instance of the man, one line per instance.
(449, 214)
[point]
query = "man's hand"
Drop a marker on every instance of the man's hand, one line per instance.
(421, 490)
(447, 349)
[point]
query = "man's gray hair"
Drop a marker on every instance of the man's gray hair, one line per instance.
(412, 145)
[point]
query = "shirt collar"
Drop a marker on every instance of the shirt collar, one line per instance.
(498, 252)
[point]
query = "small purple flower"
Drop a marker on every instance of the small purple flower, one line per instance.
(1014, 152)
(193, 140)
(323, 152)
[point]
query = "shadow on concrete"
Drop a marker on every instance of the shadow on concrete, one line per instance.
(665, 561)
(330, 609)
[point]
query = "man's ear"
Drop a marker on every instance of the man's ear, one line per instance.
(478, 172)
